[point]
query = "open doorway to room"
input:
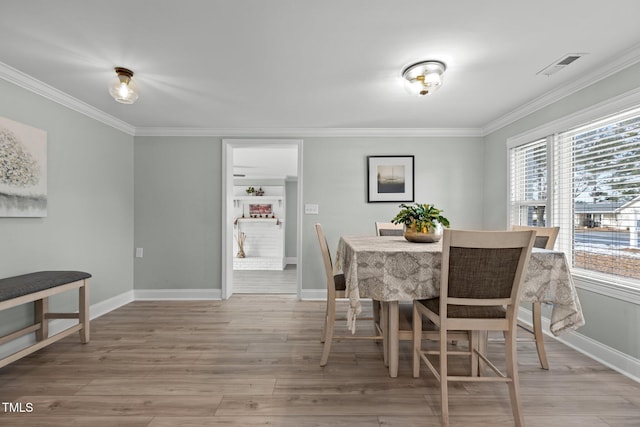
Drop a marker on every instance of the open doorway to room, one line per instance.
(261, 216)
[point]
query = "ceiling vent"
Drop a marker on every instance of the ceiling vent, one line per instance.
(558, 65)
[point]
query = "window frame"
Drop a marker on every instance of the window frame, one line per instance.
(624, 289)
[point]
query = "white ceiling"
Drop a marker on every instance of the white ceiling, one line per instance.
(332, 64)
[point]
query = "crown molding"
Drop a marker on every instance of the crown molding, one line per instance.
(310, 132)
(619, 63)
(29, 83)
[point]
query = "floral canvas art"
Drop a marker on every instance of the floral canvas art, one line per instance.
(23, 170)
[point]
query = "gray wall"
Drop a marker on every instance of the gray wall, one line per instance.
(90, 204)
(610, 321)
(448, 173)
(178, 196)
(178, 212)
(291, 224)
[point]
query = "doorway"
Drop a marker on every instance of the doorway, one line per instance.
(261, 218)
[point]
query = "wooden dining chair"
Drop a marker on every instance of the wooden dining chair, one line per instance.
(480, 284)
(545, 239)
(389, 229)
(428, 329)
(336, 287)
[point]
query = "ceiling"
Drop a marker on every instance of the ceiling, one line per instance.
(272, 65)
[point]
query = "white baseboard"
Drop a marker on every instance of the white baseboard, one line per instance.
(103, 307)
(627, 365)
(177, 294)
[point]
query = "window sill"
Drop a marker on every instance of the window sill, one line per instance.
(629, 292)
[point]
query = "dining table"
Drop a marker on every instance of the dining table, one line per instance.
(391, 269)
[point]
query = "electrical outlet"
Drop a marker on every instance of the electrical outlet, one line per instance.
(138, 252)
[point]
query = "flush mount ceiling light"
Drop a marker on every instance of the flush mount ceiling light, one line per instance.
(424, 78)
(123, 89)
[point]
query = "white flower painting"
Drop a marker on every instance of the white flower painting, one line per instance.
(23, 170)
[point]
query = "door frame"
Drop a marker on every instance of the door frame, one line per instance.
(228, 144)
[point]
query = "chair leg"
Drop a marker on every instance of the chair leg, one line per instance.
(537, 333)
(482, 342)
(376, 316)
(512, 372)
(473, 349)
(444, 382)
(323, 332)
(328, 334)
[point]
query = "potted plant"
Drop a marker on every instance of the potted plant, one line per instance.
(250, 191)
(422, 222)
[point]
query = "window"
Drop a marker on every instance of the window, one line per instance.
(587, 181)
(529, 184)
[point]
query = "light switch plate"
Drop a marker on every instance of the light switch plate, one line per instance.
(138, 252)
(311, 209)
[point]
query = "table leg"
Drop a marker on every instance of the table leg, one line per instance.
(385, 332)
(393, 338)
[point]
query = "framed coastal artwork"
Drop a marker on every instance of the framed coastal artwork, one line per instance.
(390, 179)
(23, 170)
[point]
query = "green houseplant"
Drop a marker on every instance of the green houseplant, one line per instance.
(423, 222)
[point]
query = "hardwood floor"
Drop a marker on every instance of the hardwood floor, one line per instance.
(254, 361)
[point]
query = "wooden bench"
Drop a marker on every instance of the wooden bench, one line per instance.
(37, 288)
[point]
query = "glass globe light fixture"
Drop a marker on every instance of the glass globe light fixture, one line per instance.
(424, 78)
(123, 89)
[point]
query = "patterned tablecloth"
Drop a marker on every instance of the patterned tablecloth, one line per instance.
(392, 269)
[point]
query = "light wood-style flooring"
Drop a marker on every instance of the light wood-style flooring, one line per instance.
(253, 360)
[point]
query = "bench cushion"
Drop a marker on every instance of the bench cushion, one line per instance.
(17, 286)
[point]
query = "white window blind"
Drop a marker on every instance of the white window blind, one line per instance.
(597, 196)
(587, 181)
(528, 181)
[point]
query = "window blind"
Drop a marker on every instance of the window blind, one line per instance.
(528, 183)
(596, 195)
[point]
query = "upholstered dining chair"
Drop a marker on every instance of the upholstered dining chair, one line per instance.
(336, 287)
(480, 284)
(545, 239)
(389, 229)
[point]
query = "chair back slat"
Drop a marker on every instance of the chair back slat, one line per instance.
(482, 273)
(389, 229)
(545, 236)
(484, 265)
(326, 260)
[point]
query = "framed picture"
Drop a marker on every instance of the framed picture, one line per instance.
(23, 170)
(390, 179)
(260, 209)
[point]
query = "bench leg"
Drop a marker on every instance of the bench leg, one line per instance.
(83, 311)
(41, 308)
